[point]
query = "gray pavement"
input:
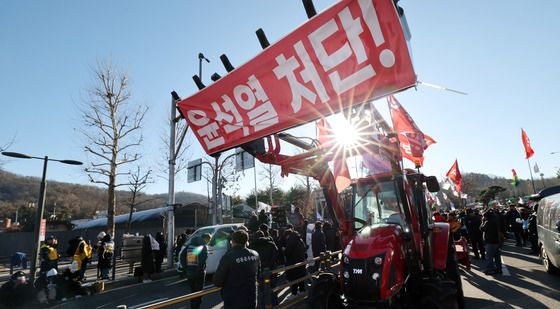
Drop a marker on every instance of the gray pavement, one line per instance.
(524, 283)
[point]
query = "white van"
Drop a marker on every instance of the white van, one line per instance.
(218, 244)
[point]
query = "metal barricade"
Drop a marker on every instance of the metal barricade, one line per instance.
(325, 263)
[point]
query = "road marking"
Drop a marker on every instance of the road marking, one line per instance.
(505, 271)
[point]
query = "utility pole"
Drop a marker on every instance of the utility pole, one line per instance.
(171, 184)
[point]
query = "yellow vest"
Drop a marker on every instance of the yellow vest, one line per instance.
(52, 254)
(80, 256)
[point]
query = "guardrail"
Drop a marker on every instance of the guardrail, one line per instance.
(325, 262)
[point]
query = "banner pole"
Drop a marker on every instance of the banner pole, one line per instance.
(531, 173)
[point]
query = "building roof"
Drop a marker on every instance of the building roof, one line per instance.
(139, 216)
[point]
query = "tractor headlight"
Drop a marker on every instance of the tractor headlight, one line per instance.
(345, 259)
(375, 276)
(346, 275)
(378, 260)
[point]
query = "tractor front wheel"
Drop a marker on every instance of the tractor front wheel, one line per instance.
(439, 294)
(324, 293)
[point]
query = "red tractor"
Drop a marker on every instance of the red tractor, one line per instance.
(394, 254)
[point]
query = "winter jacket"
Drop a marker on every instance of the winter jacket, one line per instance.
(491, 229)
(318, 243)
(49, 258)
(148, 266)
(105, 252)
(295, 253)
(237, 276)
(512, 219)
(159, 254)
(193, 258)
(332, 239)
(267, 250)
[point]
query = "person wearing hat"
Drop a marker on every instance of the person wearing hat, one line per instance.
(105, 252)
(48, 255)
(16, 291)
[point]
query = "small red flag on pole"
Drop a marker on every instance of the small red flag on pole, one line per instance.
(455, 175)
(529, 152)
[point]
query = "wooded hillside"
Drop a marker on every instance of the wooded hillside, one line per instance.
(70, 201)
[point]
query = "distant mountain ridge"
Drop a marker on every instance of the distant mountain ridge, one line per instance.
(71, 201)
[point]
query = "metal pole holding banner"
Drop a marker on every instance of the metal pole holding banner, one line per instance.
(531, 173)
(215, 175)
(171, 178)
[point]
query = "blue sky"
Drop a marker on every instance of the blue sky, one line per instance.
(503, 53)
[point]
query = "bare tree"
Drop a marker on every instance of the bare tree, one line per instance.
(7, 145)
(181, 146)
(271, 175)
(112, 129)
(309, 184)
(138, 180)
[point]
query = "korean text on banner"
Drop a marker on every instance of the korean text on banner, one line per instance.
(351, 53)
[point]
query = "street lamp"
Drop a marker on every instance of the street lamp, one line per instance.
(41, 205)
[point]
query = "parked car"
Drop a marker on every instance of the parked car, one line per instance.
(218, 244)
(548, 229)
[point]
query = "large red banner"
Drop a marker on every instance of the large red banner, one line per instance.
(351, 53)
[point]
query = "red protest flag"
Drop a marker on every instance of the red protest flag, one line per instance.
(412, 141)
(455, 175)
(529, 152)
(341, 172)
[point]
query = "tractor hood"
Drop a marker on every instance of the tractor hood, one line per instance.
(374, 240)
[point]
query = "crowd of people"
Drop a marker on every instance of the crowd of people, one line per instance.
(486, 229)
(253, 250)
(54, 282)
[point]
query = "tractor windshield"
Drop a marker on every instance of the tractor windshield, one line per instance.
(376, 203)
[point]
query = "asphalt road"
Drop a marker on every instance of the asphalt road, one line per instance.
(524, 284)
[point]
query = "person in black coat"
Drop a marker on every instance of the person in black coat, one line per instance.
(492, 233)
(267, 250)
(253, 224)
(193, 261)
(105, 253)
(318, 244)
(159, 254)
(148, 266)
(237, 274)
(268, 254)
(16, 292)
(515, 224)
(473, 222)
(332, 237)
(294, 253)
(533, 236)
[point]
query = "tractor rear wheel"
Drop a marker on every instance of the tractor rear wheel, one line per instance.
(439, 294)
(324, 293)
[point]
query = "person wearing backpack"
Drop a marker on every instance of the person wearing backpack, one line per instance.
(105, 253)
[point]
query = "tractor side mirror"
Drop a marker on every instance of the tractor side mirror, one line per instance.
(432, 183)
